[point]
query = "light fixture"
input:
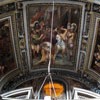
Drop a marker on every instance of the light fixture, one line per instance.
(49, 65)
(47, 98)
(48, 89)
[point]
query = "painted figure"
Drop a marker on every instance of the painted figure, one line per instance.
(61, 38)
(37, 38)
(71, 38)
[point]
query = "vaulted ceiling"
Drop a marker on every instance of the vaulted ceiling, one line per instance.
(75, 52)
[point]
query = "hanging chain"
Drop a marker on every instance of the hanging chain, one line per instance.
(49, 64)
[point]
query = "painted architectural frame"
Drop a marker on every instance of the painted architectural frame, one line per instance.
(96, 52)
(8, 53)
(34, 23)
(92, 62)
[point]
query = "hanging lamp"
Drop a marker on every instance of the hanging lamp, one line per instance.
(49, 65)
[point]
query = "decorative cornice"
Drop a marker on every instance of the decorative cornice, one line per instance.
(7, 8)
(96, 8)
(21, 78)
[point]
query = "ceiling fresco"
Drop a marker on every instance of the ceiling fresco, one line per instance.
(25, 38)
